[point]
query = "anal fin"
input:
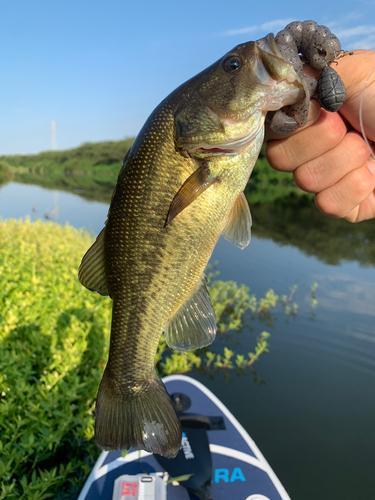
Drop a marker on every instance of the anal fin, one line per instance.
(194, 325)
(91, 272)
(238, 228)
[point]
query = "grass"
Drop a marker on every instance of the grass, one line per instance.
(54, 337)
(52, 350)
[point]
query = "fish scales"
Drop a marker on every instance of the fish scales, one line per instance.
(163, 261)
(180, 188)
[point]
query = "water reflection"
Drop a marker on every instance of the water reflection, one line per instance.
(315, 412)
(23, 200)
(293, 221)
(301, 233)
(5, 172)
(296, 221)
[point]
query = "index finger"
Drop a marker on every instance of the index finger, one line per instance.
(314, 113)
(308, 143)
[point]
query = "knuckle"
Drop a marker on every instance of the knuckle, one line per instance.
(356, 149)
(334, 135)
(328, 205)
(307, 177)
(340, 199)
(362, 183)
(278, 156)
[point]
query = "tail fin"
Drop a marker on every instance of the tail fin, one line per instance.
(145, 420)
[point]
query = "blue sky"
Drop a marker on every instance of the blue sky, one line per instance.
(98, 68)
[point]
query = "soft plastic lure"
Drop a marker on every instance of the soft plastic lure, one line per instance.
(320, 48)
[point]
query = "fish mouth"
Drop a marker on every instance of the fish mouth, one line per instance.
(269, 56)
(217, 151)
(232, 123)
(268, 44)
(272, 70)
(230, 147)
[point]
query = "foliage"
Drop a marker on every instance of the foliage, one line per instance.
(54, 338)
(267, 185)
(52, 350)
(5, 172)
(100, 153)
(91, 170)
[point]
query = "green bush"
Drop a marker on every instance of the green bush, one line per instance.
(91, 169)
(92, 153)
(54, 337)
(5, 172)
(53, 342)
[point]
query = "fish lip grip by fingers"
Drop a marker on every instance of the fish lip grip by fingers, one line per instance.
(320, 47)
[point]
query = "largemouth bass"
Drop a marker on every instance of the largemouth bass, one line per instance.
(180, 187)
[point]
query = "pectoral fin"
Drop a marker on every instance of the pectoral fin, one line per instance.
(194, 325)
(238, 228)
(91, 272)
(193, 187)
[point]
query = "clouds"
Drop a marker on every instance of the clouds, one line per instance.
(352, 35)
(357, 37)
(360, 36)
(346, 292)
(355, 31)
(365, 43)
(276, 25)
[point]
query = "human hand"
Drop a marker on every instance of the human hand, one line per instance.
(329, 156)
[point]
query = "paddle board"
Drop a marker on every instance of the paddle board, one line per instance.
(218, 459)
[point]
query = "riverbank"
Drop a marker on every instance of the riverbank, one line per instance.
(91, 171)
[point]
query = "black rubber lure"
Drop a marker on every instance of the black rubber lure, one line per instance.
(331, 90)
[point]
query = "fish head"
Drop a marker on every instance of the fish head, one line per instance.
(225, 105)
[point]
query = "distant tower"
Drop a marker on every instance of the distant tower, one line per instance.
(53, 136)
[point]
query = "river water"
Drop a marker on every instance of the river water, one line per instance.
(313, 414)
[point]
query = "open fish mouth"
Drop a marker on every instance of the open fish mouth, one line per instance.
(268, 44)
(271, 63)
(229, 148)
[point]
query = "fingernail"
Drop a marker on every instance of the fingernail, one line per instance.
(314, 111)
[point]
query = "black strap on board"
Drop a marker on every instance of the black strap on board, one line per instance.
(194, 457)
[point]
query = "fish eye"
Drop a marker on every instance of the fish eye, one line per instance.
(232, 63)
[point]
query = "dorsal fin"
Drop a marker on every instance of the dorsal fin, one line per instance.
(193, 187)
(91, 272)
(238, 228)
(194, 325)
